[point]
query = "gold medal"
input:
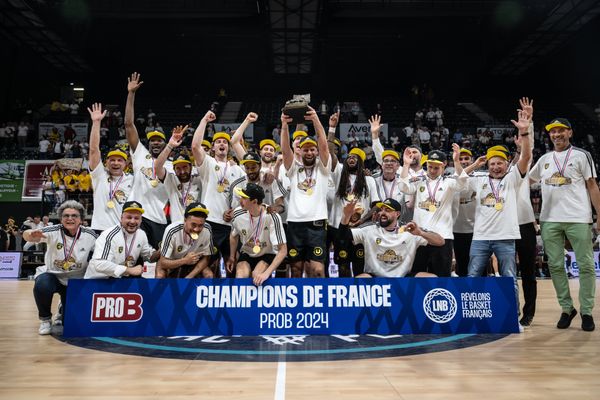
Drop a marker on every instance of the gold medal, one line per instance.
(194, 235)
(66, 265)
(110, 204)
(432, 208)
(498, 206)
(129, 262)
(220, 188)
(309, 191)
(256, 249)
(154, 183)
(401, 229)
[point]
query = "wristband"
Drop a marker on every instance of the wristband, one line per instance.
(331, 130)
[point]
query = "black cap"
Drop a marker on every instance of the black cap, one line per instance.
(251, 192)
(390, 203)
(250, 157)
(196, 209)
(182, 158)
(437, 156)
(133, 206)
(559, 123)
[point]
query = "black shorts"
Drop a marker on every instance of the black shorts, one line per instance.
(307, 240)
(253, 261)
(154, 231)
(220, 237)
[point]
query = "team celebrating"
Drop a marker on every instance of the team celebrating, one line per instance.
(281, 208)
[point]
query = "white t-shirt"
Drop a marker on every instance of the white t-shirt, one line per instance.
(212, 172)
(304, 207)
(565, 198)
(438, 218)
(22, 130)
(44, 145)
(490, 223)
(61, 247)
(284, 183)
(387, 254)
(272, 192)
(270, 227)
(104, 217)
(176, 244)
(152, 199)
(113, 247)
(182, 195)
(364, 201)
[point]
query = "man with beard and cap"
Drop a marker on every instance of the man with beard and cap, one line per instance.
(184, 186)
(118, 248)
(434, 196)
(389, 249)
(351, 184)
(464, 212)
(415, 172)
(569, 185)
(496, 220)
(259, 170)
(146, 185)
(217, 174)
(111, 184)
(273, 194)
(307, 212)
(263, 243)
(187, 246)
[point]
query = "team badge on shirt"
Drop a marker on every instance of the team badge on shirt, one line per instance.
(378, 240)
(120, 249)
(179, 249)
(59, 246)
(390, 257)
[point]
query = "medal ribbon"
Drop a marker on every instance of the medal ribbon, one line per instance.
(128, 248)
(496, 190)
(561, 171)
(256, 229)
(308, 178)
(388, 195)
(185, 194)
(111, 191)
(432, 194)
(153, 170)
(221, 179)
(351, 185)
(64, 239)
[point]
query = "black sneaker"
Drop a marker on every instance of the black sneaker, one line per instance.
(565, 319)
(526, 320)
(587, 323)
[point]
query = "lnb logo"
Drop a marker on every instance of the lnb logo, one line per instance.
(117, 307)
(439, 305)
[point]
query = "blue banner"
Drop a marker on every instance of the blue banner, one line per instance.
(193, 307)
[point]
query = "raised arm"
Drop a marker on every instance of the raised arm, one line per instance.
(333, 121)
(375, 122)
(133, 84)
(311, 115)
(96, 115)
(526, 152)
(174, 142)
(480, 162)
(286, 150)
(197, 149)
(238, 136)
(456, 158)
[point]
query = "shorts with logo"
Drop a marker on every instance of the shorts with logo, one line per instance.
(253, 261)
(307, 240)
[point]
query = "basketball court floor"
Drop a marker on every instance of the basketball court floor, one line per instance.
(541, 363)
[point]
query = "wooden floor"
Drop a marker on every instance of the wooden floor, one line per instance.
(542, 363)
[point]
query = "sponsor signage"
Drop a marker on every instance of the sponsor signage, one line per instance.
(191, 307)
(359, 131)
(572, 267)
(10, 264)
(36, 173)
(11, 179)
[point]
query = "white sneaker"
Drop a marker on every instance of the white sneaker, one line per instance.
(453, 274)
(521, 328)
(45, 327)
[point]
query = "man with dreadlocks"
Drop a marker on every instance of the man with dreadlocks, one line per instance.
(351, 184)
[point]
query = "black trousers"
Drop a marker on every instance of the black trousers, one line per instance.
(462, 246)
(526, 250)
(434, 259)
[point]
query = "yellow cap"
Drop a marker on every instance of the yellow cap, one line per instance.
(152, 134)
(206, 143)
(392, 153)
(495, 153)
(307, 141)
(358, 152)
(240, 192)
(498, 148)
(336, 142)
(133, 206)
(467, 151)
(423, 159)
(267, 142)
(221, 135)
(117, 152)
(299, 134)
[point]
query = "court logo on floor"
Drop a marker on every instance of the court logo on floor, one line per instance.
(277, 348)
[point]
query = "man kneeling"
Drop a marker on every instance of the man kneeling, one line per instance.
(262, 235)
(389, 249)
